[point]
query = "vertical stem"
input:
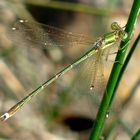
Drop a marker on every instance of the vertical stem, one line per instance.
(109, 92)
(136, 136)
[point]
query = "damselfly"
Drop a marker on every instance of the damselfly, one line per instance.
(24, 27)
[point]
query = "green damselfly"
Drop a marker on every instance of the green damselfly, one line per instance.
(100, 44)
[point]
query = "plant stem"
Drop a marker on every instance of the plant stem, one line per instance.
(136, 136)
(109, 92)
(125, 65)
(74, 7)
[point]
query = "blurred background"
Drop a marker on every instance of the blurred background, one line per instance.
(65, 110)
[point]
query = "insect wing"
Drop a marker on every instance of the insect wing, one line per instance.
(39, 35)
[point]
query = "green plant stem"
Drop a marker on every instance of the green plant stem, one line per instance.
(136, 136)
(77, 7)
(109, 92)
(125, 64)
(130, 95)
(126, 127)
(5, 53)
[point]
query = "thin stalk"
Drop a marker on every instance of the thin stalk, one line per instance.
(136, 136)
(118, 114)
(127, 128)
(109, 92)
(128, 58)
(77, 7)
(131, 94)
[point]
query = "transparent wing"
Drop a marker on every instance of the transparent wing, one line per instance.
(40, 35)
(90, 72)
(81, 84)
(98, 79)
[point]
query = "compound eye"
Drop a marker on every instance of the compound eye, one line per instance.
(115, 26)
